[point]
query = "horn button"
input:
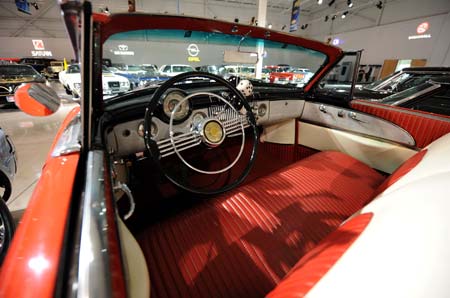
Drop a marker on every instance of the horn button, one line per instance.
(212, 132)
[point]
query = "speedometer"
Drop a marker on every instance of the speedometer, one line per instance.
(171, 100)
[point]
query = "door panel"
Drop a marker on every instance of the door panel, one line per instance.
(355, 122)
(383, 156)
(424, 127)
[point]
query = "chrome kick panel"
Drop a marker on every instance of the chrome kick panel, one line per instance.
(356, 122)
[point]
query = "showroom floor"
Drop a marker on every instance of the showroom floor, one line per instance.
(32, 137)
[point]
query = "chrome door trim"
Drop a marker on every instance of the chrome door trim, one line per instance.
(355, 122)
(94, 274)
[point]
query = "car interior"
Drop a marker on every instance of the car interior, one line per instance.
(240, 189)
(306, 179)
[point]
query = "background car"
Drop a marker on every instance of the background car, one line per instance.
(432, 96)
(290, 75)
(138, 75)
(172, 70)
(39, 64)
(12, 76)
(54, 69)
(112, 84)
(401, 80)
(8, 169)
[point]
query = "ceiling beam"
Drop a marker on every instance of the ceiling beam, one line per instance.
(44, 20)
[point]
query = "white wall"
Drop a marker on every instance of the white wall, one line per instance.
(391, 41)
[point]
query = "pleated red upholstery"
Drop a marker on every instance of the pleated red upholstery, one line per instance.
(314, 265)
(402, 170)
(243, 243)
(424, 127)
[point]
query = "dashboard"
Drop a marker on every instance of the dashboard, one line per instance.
(128, 137)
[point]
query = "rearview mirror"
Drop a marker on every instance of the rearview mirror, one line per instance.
(230, 56)
(37, 99)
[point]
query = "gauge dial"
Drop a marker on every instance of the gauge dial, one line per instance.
(198, 118)
(262, 110)
(171, 100)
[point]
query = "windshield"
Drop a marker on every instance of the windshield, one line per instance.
(17, 70)
(178, 51)
(73, 69)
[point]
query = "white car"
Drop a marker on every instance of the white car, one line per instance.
(172, 70)
(112, 84)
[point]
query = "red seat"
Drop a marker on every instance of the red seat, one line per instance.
(313, 266)
(243, 243)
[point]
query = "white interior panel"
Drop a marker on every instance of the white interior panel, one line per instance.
(135, 266)
(280, 133)
(382, 156)
(281, 110)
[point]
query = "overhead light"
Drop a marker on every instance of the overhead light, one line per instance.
(333, 17)
(331, 2)
(326, 18)
(349, 3)
(269, 26)
(379, 5)
(344, 14)
(319, 2)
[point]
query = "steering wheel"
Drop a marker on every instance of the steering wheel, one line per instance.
(229, 120)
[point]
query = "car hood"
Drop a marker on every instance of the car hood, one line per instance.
(19, 79)
(109, 77)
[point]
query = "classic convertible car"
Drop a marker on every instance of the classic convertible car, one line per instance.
(205, 188)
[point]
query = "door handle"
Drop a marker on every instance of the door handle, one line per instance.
(354, 116)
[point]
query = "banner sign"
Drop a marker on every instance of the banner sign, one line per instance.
(295, 15)
(421, 30)
(39, 49)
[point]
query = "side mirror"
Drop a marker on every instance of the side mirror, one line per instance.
(37, 99)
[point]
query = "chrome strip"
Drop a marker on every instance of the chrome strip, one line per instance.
(415, 95)
(94, 275)
(70, 140)
(355, 122)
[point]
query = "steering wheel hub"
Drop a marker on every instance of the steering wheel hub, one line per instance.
(212, 132)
